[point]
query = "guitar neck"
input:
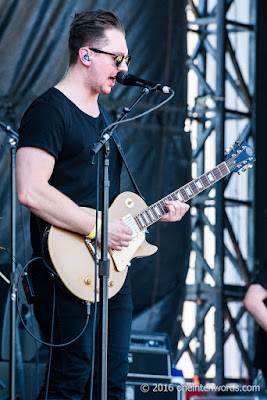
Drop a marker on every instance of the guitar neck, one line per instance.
(157, 210)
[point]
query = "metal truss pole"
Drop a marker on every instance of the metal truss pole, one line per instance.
(200, 356)
(209, 20)
(219, 199)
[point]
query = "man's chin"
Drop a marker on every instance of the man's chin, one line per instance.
(106, 90)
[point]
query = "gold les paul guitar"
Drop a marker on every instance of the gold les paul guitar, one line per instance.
(73, 256)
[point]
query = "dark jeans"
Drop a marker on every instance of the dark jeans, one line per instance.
(71, 365)
(261, 352)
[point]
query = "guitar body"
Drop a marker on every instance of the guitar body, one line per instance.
(74, 261)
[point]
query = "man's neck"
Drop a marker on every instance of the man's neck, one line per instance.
(74, 89)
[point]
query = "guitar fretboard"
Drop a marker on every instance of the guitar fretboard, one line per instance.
(153, 213)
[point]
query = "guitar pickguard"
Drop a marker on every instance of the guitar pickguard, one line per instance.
(123, 258)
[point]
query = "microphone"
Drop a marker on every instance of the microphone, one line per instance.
(131, 80)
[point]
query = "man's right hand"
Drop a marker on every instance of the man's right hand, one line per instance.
(119, 234)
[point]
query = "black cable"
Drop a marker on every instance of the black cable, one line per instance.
(37, 359)
(19, 359)
(30, 333)
(51, 339)
(17, 261)
(23, 225)
(21, 209)
(139, 115)
(48, 372)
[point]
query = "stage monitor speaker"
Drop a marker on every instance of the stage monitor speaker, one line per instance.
(149, 356)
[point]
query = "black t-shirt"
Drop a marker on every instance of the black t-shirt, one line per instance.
(55, 124)
(261, 277)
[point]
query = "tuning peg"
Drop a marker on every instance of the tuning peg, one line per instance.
(250, 165)
(246, 167)
(232, 147)
(226, 151)
(237, 142)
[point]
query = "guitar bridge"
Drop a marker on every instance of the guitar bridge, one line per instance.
(91, 247)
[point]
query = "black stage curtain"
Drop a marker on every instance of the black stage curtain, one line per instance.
(34, 56)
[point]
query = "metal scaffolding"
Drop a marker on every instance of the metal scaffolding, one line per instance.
(221, 65)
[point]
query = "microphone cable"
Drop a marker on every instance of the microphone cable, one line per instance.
(142, 114)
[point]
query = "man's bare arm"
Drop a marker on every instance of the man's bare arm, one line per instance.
(254, 303)
(34, 168)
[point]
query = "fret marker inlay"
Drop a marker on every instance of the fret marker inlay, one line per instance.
(199, 184)
(210, 177)
(180, 196)
(188, 191)
(157, 211)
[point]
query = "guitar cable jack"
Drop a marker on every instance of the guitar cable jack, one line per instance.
(88, 308)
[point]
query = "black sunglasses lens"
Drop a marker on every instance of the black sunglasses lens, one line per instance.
(120, 58)
(128, 60)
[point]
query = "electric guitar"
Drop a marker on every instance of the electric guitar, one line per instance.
(73, 256)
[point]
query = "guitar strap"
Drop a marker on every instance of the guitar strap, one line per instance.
(120, 149)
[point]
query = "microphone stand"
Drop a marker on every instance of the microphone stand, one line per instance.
(104, 262)
(106, 135)
(12, 366)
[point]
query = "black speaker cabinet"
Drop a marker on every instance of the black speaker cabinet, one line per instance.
(149, 357)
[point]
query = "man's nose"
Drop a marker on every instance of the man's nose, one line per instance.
(123, 67)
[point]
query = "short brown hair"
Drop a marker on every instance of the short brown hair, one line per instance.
(87, 29)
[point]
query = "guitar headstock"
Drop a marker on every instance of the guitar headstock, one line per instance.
(240, 157)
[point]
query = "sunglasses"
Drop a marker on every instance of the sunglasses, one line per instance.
(118, 57)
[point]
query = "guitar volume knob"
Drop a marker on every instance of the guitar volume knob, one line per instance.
(88, 280)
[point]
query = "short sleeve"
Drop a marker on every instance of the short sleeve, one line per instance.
(43, 127)
(261, 277)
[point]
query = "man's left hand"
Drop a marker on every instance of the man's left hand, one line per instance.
(177, 210)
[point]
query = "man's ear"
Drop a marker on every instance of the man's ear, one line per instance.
(84, 56)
